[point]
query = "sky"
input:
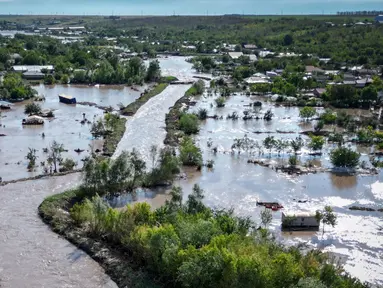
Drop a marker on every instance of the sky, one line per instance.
(184, 7)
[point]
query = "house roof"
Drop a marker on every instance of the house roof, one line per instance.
(250, 46)
(256, 80)
(298, 214)
(235, 55)
(311, 69)
(31, 68)
(33, 73)
(320, 90)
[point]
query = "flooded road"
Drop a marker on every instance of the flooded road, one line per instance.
(65, 127)
(147, 126)
(31, 255)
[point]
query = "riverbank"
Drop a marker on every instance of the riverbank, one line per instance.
(118, 264)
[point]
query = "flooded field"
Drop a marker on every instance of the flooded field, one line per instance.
(358, 236)
(65, 127)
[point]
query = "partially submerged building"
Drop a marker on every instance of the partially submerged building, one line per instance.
(299, 221)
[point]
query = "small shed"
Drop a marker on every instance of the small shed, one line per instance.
(318, 92)
(299, 220)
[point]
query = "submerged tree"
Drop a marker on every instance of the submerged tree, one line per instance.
(31, 157)
(307, 113)
(297, 144)
(54, 155)
(268, 115)
(269, 143)
(266, 217)
(344, 157)
(326, 216)
(316, 143)
(32, 109)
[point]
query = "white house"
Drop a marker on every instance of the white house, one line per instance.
(32, 68)
(299, 220)
(235, 55)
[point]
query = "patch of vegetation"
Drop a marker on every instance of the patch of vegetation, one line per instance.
(14, 89)
(167, 79)
(189, 123)
(132, 108)
(344, 157)
(190, 245)
(32, 109)
(307, 113)
(190, 154)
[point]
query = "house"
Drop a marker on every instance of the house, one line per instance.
(348, 82)
(313, 69)
(33, 68)
(256, 80)
(253, 58)
(318, 92)
(271, 74)
(33, 75)
(379, 19)
(77, 28)
(235, 55)
(299, 220)
(361, 83)
(250, 46)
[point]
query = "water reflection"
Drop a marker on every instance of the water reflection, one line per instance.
(342, 182)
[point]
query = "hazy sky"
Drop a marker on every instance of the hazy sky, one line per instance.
(183, 7)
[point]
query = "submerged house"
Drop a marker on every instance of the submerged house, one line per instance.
(299, 221)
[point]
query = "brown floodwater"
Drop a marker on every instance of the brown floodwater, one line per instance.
(65, 127)
(358, 236)
(31, 255)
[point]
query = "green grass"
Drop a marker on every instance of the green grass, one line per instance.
(168, 79)
(111, 140)
(132, 108)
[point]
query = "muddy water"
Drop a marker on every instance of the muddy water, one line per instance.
(358, 236)
(147, 126)
(65, 127)
(31, 255)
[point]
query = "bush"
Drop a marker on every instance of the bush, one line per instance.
(307, 112)
(344, 157)
(189, 124)
(220, 102)
(32, 109)
(316, 143)
(202, 114)
(328, 117)
(67, 165)
(190, 154)
(293, 161)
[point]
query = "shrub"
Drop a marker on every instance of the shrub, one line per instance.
(328, 117)
(307, 112)
(32, 109)
(189, 124)
(202, 114)
(67, 165)
(220, 102)
(190, 154)
(344, 157)
(316, 143)
(293, 161)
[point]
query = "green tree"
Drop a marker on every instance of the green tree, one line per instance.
(220, 101)
(31, 157)
(54, 154)
(190, 154)
(32, 109)
(344, 157)
(154, 71)
(266, 217)
(269, 143)
(188, 123)
(316, 143)
(326, 216)
(297, 144)
(307, 112)
(288, 40)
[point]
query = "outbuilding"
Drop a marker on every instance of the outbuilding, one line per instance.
(299, 221)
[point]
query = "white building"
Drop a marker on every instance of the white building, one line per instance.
(32, 68)
(379, 19)
(235, 55)
(299, 220)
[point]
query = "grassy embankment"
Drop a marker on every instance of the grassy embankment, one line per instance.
(173, 133)
(117, 264)
(112, 139)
